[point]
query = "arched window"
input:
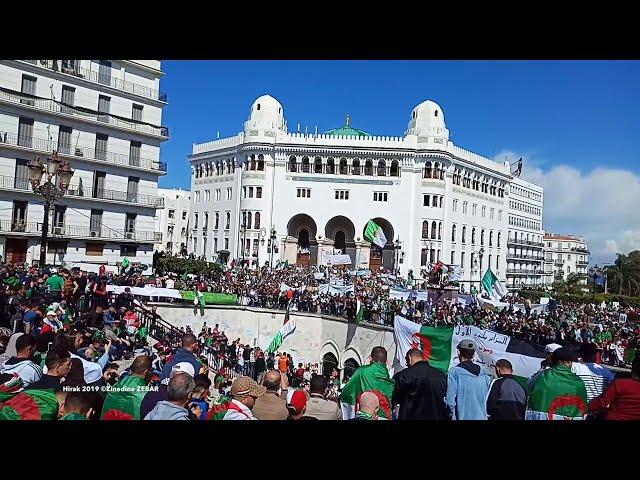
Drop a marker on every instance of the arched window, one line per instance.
(473, 236)
(305, 164)
(201, 171)
(293, 164)
(227, 221)
(331, 167)
(317, 165)
(425, 229)
(244, 219)
(382, 168)
(433, 230)
(498, 239)
(217, 224)
(427, 170)
(453, 233)
(261, 163)
(253, 162)
(249, 220)
(439, 230)
(395, 171)
(464, 234)
(491, 239)
(256, 221)
(343, 166)
(482, 237)
(355, 167)
(368, 167)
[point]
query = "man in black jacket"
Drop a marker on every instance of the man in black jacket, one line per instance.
(420, 390)
(507, 400)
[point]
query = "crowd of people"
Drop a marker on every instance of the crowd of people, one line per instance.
(64, 341)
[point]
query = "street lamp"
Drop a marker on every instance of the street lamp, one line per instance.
(271, 246)
(480, 254)
(397, 247)
(51, 182)
(475, 268)
(261, 235)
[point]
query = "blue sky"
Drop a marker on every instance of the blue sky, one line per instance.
(573, 118)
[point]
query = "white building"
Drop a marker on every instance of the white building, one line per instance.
(105, 117)
(564, 255)
(172, 221)
(525, 257)
(315, 192)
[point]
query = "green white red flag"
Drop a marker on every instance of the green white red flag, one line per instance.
(123, 403)
(558, 394)
(374, 378)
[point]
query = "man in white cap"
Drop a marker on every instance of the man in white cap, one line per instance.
(546, 363)
(152, 397)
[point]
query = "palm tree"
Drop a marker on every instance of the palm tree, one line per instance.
(625, 272)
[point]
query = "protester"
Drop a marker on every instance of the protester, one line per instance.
(558, 394)
(621, 400)
(184, 354)
(297, 406)
(58, 368)
(244, 392)
(369, 406)
(179, 392)
(123, 403)
(420, 390)
(596, 377)
(546, 363)
(318, 406)
(507, 399)
(467, 387)
(76, 406)
(22, 364)
(272, 405)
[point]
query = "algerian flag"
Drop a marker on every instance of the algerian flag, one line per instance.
(492, 285)
(438, 346)
(373, 377)
(286, 329)
(374, 234)
(558, 394)
(123, 402)
(359, 313)
(126, 262)
(28, 405)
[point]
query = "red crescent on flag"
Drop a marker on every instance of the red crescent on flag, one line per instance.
(566, 401)
(25, 406)
(114, 414)
(425, 344)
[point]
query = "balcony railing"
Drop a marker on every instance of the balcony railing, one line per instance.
(96, 77)
(48, 146)
(525, 242)
(523, 271)
(580, 263)
(74, 190)
(77, 231)
(104, 117)
(558, 262)
(524, 257)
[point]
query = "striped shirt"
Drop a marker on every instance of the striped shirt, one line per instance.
(596, 378)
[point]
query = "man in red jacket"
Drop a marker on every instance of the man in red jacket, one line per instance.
(621, 400)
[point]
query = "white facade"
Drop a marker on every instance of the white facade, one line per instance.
(105, 118)
(433, 199)
(525, 255)
(564, 255)
(172, 221)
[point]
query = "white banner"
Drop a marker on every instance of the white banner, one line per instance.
(397, 293)
(331, 259)
(146, 291)
(335, 289)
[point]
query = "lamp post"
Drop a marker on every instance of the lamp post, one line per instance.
(271, 246)
(480, 254)
(396, 246)
(263, 233)
(51, 181)
(475, 269)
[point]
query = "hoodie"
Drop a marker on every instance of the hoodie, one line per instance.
(28, 371)
(165, 410)
(467, 390)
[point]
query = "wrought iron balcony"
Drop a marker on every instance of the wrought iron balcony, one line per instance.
(524, 257)
(512, 241)
(86, 153)
(50, 105)
(523, 271)
(96, 77)
(78, 231)
(16, 183)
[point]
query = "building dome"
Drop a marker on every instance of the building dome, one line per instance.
(347, 130)
(266, 114)
(427, 120)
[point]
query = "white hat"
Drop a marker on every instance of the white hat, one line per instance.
(552, 347)
(183, 367)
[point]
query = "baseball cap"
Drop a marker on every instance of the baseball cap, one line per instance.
(298, 401)
(183, 367)
(552, 347)
(246, 386)
(467, 344)
(562, 354)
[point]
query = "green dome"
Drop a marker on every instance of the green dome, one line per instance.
(347, 131)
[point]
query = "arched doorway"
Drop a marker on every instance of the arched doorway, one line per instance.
(329, 362)
(381, 256)
(350, 366)
(304, 229)
(341, 230)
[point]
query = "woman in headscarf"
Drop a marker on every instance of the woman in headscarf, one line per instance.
(10, 351)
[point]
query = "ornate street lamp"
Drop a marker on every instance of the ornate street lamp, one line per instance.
(51, 182)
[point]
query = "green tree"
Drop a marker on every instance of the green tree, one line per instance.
(624, 274)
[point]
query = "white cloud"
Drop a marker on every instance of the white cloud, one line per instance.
(602, 205)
